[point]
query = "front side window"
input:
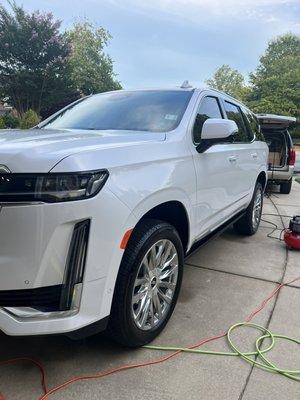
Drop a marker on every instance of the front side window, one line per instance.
(150, 110)
(235, 114)
(209, 108)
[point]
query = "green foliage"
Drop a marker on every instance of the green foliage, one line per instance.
(34, 60)
(296, 133)
(11, 121)
(229, 81)
(42, 69)
(91, 69)
(275, 85)
(2, 123)
(29, 119)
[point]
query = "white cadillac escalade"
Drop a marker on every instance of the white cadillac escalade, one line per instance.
(101, 202)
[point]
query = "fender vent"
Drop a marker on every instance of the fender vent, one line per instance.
(75, 262)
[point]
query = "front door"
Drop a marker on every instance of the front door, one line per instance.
(216, 171)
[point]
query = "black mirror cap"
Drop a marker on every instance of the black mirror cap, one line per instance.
(205, 144)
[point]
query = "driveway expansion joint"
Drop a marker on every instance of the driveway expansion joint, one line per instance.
(232, 273)
(284, 267)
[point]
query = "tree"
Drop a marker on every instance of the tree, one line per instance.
(276, 81)
(91, 69)
(33, 60)
(29, 119)
(228, 80)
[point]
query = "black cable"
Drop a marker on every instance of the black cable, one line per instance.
(279, 215)
(269, 235)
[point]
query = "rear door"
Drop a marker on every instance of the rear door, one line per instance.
(244, 156)
(257, 145)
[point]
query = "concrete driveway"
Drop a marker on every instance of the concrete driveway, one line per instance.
(224, 281)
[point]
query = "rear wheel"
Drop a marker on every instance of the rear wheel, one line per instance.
(148, 284)
(286, 187)
(249, 223)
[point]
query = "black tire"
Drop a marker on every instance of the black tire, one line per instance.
(245, 225)
(286, 187)
(122, 327)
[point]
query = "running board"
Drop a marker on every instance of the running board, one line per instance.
(215, 233)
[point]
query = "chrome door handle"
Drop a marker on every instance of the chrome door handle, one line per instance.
(254, 155)
(232, 159)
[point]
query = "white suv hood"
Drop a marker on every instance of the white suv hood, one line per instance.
(39, 150)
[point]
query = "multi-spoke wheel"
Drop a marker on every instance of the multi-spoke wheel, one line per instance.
(249, 223)
(148, 284)
(257, 208)
(155, 285)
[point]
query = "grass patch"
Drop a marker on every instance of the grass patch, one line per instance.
(297, 179)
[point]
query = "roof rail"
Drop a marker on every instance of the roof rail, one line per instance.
(186, 85)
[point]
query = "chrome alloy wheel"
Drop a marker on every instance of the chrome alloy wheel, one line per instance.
(155, 285)
(257, 207)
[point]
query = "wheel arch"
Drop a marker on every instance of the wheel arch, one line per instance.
(173, 212)
(262, 178)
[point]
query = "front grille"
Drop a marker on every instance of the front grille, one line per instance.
(46, 298)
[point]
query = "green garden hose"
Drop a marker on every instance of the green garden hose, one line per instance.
(259, 354)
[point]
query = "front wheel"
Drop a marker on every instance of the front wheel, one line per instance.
(249, 223)
(148, 284)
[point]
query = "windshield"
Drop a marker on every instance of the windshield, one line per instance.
(153, 111)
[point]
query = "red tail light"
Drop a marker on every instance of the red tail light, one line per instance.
(292, 157)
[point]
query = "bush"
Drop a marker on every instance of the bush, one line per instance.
(29, 119)
(2, 123)
(11, 121)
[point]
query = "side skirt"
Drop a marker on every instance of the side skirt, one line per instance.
(215, 233)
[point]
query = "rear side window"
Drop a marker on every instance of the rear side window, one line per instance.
(235, 114)
(254, 126)
(208, 108)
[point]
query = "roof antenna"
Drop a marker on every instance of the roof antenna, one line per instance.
(185, 85)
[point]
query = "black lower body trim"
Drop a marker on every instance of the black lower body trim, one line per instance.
(201, 242)
(89, 330)
(44, 298)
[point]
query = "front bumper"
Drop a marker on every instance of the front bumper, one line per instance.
(34, 244)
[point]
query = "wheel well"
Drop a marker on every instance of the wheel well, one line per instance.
(262, 179)
(175, 214)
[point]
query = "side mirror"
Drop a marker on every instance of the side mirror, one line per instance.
(214, 130)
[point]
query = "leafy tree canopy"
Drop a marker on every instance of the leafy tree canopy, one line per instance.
(228, 80)
(91, 69)
(43, 69)
(33, 59)
(276, 81)
(274, 85)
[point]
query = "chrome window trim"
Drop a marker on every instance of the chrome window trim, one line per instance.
(4, 170)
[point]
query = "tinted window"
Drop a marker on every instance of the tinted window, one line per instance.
(234, 113)
(153, 110)
(209, 108)
(253, 126)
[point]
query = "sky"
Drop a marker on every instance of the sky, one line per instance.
(161, 43)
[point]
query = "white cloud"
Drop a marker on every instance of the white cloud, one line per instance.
(211, 10)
